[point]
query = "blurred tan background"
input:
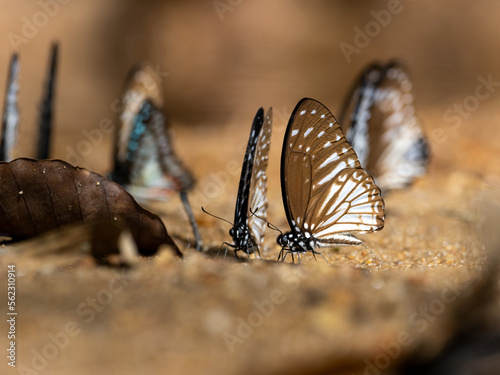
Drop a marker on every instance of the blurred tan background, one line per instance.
(224, 59)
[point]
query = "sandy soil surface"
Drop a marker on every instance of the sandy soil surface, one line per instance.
(217, 315)
(432, 274)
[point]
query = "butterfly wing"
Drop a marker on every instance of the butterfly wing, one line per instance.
(142, 83)
(242, 199)
(356, 113)
(401, 152)
(46, 108)
(383, 128)
(258, 181)
(141, 172)
(11, 112)
(143, 132)
(325, 191)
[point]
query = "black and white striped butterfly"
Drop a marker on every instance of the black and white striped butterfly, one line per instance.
(10, 120)
(11, 111)
(379, 121)
(144, 160)
(251, 203)
(326, 193)
(47, 106)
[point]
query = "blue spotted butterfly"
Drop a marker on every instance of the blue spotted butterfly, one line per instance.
(144, 159)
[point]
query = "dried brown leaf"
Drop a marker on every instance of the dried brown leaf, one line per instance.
(39, 195)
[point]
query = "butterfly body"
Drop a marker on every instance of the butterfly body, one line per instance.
(326, 193)
(243, 239)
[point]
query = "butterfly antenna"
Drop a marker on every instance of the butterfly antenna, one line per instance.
(269, 225)
(217, 217)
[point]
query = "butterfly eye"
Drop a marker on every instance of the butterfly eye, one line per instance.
(231, 232)
(281, 240)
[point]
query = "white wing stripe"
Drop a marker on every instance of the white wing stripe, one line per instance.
(332, 174)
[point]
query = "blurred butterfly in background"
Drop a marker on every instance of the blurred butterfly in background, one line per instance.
(378, 118)
(10, 119)
(47, 106)
(144, 160)
(326, 193)
(10, 123)
(251, 202)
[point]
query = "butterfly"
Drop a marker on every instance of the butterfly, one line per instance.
(382, 126)
(326, 193)
(251, 202)
(46, 107)
(10, 119)
(144, 159)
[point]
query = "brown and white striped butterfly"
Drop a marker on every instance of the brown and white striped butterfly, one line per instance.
(383, 128)
(326, 193)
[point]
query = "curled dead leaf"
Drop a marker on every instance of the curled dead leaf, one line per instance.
(39, 195)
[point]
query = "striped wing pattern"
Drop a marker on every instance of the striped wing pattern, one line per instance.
(325, 190)
(10, 119)
(258, 184)
(403, 152)
(355, 115)
(383, 128)
(241, 211)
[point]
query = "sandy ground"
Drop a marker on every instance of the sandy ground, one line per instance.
(429, 280)
(219, 316)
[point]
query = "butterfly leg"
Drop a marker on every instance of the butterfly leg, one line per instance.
(373, 254)
(225, 253)
(282, 255)
(248, 250)
(194, 225)
(317, 252)
(257, 251)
